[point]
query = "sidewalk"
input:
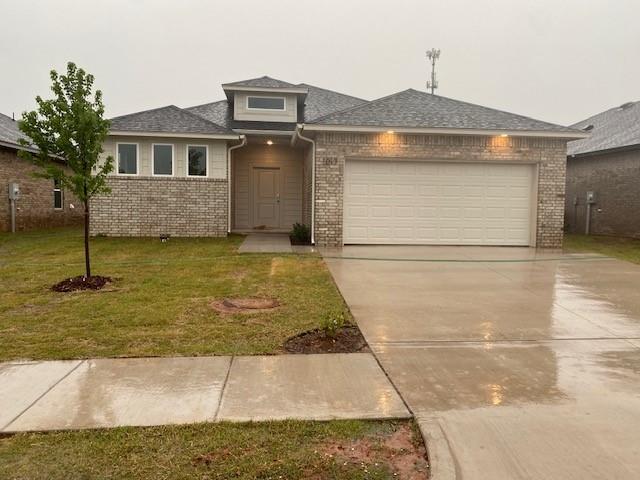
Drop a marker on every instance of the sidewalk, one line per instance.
(56, 395)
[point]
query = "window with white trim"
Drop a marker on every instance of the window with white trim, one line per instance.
(57, 195)
(266, 103)
(162, 159)
(197, 160)
(127, 158)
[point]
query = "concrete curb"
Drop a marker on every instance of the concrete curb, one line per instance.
(441, 461)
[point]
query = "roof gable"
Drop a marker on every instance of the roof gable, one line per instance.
(261, 82)
(169, 119)
(415, 109)
(617, 127)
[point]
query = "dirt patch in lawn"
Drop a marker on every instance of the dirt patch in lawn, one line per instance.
(403, 454)
(348, 339)
(74, 284)
(244, 305)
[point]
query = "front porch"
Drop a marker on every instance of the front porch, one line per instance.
(270, 185)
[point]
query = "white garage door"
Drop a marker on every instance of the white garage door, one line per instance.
(404, 202)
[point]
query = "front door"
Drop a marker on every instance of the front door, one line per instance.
(266, 197)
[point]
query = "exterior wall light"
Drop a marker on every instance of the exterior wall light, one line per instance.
(269, 142)
(390, 131)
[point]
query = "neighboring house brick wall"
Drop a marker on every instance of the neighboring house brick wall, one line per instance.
(150, 206)
(35, 205)
(615, 179)
(333, 148)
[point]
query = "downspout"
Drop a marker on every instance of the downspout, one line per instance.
(242, 144)
(313, 180)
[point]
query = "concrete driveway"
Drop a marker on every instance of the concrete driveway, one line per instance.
(518, 364)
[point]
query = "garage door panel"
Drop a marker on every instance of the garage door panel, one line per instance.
(437, 203)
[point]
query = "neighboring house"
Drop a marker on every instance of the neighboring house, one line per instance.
(608, 165)
(409, 168)
(41, 203)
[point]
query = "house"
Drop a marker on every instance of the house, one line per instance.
(409, 168)
(607, 166)
(41, 203)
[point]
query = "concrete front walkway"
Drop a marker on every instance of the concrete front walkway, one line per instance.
(74, 394)
(518, 364)
(266, 243)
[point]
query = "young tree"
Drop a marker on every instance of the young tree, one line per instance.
(69, 130)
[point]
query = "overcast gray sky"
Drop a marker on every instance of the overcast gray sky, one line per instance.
(556, 60)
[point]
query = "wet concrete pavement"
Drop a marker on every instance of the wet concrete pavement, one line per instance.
(75, 394)
(518, 364)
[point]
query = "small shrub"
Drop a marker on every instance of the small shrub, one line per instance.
(332, 323)
(300, 233)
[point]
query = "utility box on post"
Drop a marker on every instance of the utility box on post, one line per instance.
(14, 194)
(591, 198)
(14, 191)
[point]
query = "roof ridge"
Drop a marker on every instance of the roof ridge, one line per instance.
(332, 91)
(494, 109)
(180, 110)
(367, 103)
(205, 104)
(201, 118)
(145, 111)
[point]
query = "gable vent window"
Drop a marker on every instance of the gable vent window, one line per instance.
(266, 103)
(57, 195)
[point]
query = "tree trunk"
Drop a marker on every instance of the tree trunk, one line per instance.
(87, 261)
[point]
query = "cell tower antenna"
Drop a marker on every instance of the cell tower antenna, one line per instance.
(433, 55)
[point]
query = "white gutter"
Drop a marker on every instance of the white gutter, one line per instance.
(448, 131)
(242, 144)
(299, 129)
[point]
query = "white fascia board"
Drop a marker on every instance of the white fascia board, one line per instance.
(270, 133)
(442, 131)
(235, 88)
(214, 136)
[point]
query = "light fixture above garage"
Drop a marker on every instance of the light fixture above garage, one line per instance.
(269, 142)
(504, 135)
(390, 131)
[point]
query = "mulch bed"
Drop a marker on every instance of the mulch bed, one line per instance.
(295, 241)
(74, 284)
(347, 340)
(244, 305)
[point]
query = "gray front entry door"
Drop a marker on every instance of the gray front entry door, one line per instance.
(266, 197)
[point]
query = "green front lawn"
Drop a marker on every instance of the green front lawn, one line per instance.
(270, 450)
(622, 248)
(159, 303)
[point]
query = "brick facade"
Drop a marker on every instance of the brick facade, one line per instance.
(35, 206)
(150, 206)
(332, 149)
(615, 180)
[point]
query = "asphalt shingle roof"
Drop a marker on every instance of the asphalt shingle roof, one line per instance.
(614, 128)
(414, 109)
(220, 113)
(170, 119)
(262, 82)
(9, 132)
(320, 102)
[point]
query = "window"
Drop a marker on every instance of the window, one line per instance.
(57, 194)
(128, 158)
(197, 160)
(266, 103)
(162, 159)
